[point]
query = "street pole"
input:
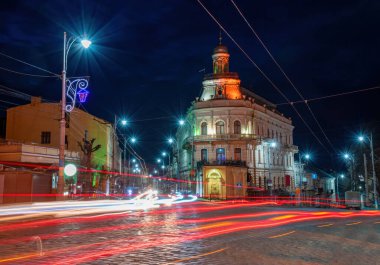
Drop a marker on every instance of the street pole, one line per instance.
(124, 160)
(353, 186)
(177, 164)
(374, 174)
(366, 178)
(113, 143)
(300, 173)
(337, 188)
(61, 177)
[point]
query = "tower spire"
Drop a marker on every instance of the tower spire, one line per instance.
(220, 36)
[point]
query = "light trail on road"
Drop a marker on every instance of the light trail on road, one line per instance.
(184, 228)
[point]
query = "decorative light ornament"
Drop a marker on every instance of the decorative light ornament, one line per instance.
(72, 90)
(82, 94)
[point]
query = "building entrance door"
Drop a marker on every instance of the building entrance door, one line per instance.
(215, 184)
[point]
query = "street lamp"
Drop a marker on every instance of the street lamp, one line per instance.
(271, 144)
(363, 138)
(337, 186)
(307, 157)
(350, 158)
(124, 122)
(182, 122)
(171, 141)
(66, 48)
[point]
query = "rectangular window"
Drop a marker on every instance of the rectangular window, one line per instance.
(237, 154)
(259, 156)
(204, 155)
(45, 137)
(66, 142)
(220, 155)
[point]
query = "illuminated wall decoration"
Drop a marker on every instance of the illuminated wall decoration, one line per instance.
(76, 87)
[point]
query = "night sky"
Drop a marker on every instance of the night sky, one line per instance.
(146, 60)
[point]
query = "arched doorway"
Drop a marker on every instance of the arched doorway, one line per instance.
(214, 180)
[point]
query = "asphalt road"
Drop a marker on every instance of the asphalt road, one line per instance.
(193, 233)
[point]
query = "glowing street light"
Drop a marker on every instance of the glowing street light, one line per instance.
(124, 122)
(86, 43)
(170, 140)
(70, 170)
(181, 122)
(164, 154)
(307, 156)
(337, 185)
(369, 139)
(158, 160)
(346, 156)
(133, 140)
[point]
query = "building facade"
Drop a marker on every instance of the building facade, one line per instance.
(234, 141)
(38, 123)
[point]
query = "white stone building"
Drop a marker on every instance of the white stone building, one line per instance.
(234, 140)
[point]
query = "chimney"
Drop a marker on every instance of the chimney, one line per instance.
(35, 100)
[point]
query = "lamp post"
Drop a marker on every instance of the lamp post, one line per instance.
(362, 138)
(171, 141)
(337, 186)
(67, 43)
(271, 144)
(307, 157)
(133, 140)
(182, 122)
(350, 158)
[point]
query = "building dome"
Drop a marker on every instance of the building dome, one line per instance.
(220, 49)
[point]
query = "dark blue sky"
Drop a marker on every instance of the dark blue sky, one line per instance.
(146, 57)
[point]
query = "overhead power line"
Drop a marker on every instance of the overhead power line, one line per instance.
(26, 74)
(29, 64)
(331, 96)
(264, 75)
(285, 75)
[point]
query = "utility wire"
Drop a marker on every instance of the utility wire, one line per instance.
(264, 75)
(31, 65)
(330, 96)
(27, 74)
(285, 75)
(8, 102)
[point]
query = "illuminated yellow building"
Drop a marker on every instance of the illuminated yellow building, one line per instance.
(234, 140)
(38, 123)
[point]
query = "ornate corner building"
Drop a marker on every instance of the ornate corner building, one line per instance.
(234, 141)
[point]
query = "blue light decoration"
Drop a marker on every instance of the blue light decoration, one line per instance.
(314, 176)
(82, 95)
(76, 87)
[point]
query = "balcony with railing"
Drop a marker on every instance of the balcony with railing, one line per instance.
(221, 75)
(234, 163)
(215, 137)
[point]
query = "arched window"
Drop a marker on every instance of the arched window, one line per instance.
(204, 128)
(219, 127)
(237, 127)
